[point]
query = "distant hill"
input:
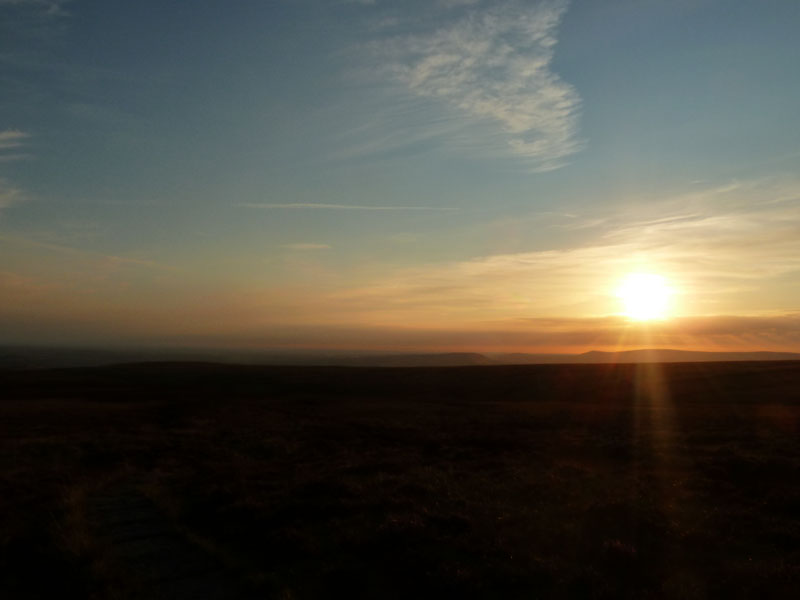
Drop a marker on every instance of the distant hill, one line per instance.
(451, 359)
(447, 359)
(640, 356)
(38, 358)
(23, 357)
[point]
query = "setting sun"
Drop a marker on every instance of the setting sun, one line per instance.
(644, 296)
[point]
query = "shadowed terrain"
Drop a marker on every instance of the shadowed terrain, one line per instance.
(156, 560)
(554, 481)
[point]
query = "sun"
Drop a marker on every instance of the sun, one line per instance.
(644, 296)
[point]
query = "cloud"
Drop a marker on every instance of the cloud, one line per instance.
(18, 285)
(741, 259)
(4, 158)
(733, 252)
(9, 194)
(570, 335)
(456, 3)
(493, 65)
(306, 246)
(11, 140)
(96, 259)
(311, 205)
(50, 8)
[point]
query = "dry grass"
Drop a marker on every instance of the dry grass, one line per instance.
(558, 482)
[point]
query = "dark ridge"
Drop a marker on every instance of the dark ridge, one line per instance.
(47, 358)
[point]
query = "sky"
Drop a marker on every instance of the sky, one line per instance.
(399, 175)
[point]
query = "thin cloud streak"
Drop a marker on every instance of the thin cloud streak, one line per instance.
(313, 205)
(109, 259)
(9, 194)
(11, 140)
(306, 246)
(49, 8)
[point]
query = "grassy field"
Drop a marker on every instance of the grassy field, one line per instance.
(559, 481)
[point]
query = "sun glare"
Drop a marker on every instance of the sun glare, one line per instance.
(644, 296)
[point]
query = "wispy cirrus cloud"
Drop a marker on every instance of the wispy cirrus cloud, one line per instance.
(492, 64)
(11, 138)
(322, 206)
(12, 156)
(45, 7)
(8, 194)
(456, 3)
(306, 246)
(11, 142)
(94, 258)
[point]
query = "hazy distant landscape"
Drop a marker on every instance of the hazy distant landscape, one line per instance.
(553, 481)
(36, 357)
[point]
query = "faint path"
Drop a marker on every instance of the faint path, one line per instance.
(160, 563)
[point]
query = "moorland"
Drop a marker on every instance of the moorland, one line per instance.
(534, 481)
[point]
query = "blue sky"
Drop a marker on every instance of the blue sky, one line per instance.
(291, 173)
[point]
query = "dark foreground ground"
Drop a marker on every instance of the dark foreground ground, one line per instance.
(560, 481)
